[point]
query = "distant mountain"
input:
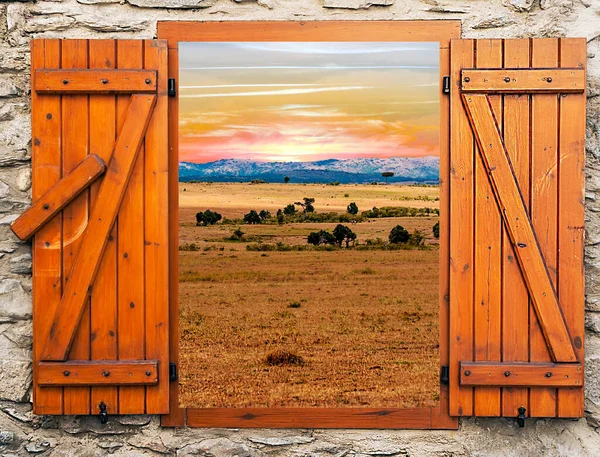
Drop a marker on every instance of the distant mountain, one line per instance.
(348, 171)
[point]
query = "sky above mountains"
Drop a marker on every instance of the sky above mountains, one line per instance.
(308, 101)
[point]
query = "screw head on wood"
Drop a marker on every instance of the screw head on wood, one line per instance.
(467, 79)
(148, 373)
(66, 372)
(65, 81)
(467, 373)
(507, 79)
(548, 80)
(106, 374)
(548, 375)
(104, 81)
(507, 373)
(46, 206)
(148, 81)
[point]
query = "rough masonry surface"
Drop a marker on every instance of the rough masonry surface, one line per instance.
(22, 434)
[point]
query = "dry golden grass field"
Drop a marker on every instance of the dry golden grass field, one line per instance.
(360, 326)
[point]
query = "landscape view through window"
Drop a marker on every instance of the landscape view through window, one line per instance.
(309, 224)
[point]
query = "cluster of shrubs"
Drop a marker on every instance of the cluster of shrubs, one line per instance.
(341, 234)
(399, 211)
(207, 217)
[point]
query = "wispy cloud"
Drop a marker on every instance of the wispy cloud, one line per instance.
(277, 92)
(316, 67)
(219, 86)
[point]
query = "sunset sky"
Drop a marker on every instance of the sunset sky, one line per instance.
(308, 101)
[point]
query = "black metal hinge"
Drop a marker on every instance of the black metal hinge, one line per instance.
(172, 91)
(172, 372)
(446, 85)
(445, 375)
(521, 417)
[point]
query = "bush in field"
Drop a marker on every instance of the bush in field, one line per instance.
(207, 217)
(307, 205)
(281, 357)
(289, 209)
(399, 235)
(286, 179)
(416, 238)
(238, 234)
(352, 208)
(252, 218)
(399, 211)
(343, 234)
(321, 237)
(436, 230)
(264, 215)
(280, 217)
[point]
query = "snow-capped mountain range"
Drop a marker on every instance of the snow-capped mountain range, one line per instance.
(361, 170)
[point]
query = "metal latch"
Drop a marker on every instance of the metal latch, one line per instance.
(445, 375)
(172, 372)
(171, 90)
(521, 417)
(103, 413)
(446, 84)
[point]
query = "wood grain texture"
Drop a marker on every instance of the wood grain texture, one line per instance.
(543, 208)
(519, 227)
(515, 298)
(95, 81)
(86, 263)
(75, 143)
(98, 373)
(312, 31)
(47, 245)
(103, 304)
(462, 163)
(488, 253)
(156, 231)
(552, 80)
(521, 374)
(130, 247)
(571, 217)
(57, 197)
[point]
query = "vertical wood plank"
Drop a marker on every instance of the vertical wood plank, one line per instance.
(176, 416)
(544, 199)
(47, 243)
(488, 233)
(571, 217)
(103, 305)
(130, 250)
(75, 215)
(461, 231)
(515, 298)
(156, 226)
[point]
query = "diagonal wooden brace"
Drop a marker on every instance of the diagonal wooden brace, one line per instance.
(95, 237)
(59, 196)
(519, 228)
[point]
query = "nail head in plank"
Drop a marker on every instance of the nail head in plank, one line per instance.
(97, 373)
(59, 196)
(523, 80)
(110, 196)
(521, 374)
(95, 81)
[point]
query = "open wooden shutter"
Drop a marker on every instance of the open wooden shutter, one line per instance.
(99, 214)
(516, 227)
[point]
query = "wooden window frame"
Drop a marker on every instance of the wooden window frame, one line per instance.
(441, 31)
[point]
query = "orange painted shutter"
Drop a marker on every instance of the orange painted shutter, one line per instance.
(517, 163)
(100, 218)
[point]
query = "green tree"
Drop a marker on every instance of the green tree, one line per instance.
(264, 215)
(416, 238)
(386, 175)
(352, 208)
(321, 237)
(280, 217)
(307, 205)
(436, 230)
(289, 210)
(207, 217)
(286, 179)
(399, 235)
(252, 218)
(237, 233)
(342, 233)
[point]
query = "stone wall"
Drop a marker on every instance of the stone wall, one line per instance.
(21, 433)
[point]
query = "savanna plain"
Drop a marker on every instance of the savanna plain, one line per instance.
(270, 320)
